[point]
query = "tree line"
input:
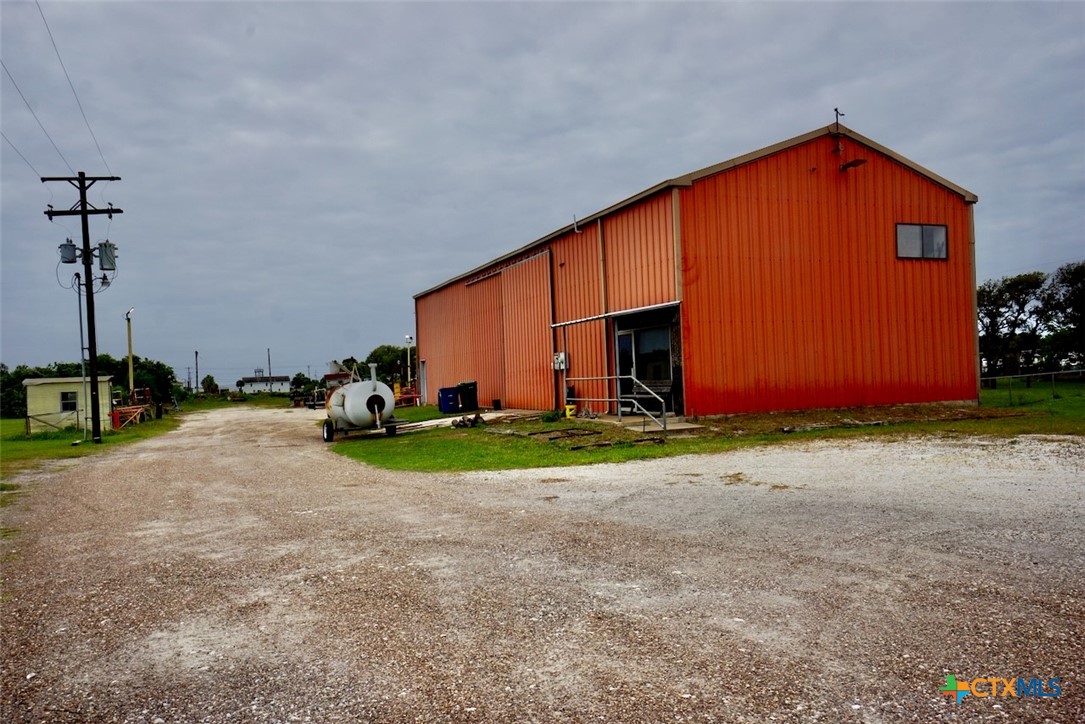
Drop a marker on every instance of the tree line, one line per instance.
(391, 364)
(1032, 322)
(158, 377)
(162, 381)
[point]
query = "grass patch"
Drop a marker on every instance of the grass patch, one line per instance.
(530, 444)
(419, 413)
(8, 493)
(19, 453)
(502, 446)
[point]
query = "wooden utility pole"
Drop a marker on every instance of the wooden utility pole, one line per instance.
(85, 210)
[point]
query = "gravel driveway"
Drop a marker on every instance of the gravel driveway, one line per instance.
(236, 570)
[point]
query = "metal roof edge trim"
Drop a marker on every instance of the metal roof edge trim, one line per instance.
(619, 313)
(964, 193)
(834, 130)
(555, 234)
(34, 381)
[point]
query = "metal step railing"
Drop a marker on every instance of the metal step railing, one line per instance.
(632, 400)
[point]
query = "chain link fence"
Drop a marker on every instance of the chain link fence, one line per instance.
(1012, 390)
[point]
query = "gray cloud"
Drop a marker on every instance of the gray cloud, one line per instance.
(294, 172)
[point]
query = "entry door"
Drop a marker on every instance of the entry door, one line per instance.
(646, 355)
(652, 354)
(422, 382)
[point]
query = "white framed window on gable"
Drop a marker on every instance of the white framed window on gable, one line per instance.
(922, 241)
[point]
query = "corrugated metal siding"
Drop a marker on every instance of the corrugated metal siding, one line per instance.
(639, 246)
(585, 345)
(461, 338)
(494, 331)
(578, 294)
(578, 291)
(794, 298)
(486, 354)
(443, 320)
(528, 340)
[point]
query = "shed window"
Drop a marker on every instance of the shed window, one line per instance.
(921, 241)
(69, 401)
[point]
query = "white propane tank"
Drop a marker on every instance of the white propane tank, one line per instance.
(362, 404)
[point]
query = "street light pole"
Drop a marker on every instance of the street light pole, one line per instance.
(131, 375)
(409, 339)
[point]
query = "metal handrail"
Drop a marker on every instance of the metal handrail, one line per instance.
(632, 401)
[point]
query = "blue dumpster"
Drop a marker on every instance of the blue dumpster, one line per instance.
(448, 400)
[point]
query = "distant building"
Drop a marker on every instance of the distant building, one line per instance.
(265, 383)
(57, 403)
(823, 271)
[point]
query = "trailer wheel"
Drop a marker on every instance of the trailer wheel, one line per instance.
(390, 430)
(329, 431)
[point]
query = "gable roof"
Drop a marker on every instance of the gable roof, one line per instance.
(834, 130)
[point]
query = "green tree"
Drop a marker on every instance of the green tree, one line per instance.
(1032, 321)
(12, 392)
(991, 305)
(1025, 320)
(159, 377)
(302, 384)
(1063, 299)
(391, 362)
(208, 385)
(1010, 322)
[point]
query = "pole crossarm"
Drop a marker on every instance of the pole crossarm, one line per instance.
(73, 179)
(89, 211)
(82, 207)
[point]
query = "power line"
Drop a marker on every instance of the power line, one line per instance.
(40, 125)
(72, 86)
(20, 154)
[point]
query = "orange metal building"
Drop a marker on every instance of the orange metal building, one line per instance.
(823, 271)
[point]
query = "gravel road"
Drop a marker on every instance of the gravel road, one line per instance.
(237, 570)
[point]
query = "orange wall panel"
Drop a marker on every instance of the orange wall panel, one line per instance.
(528, 339)
(639, 247)
(578, 287)
(443, 321)
(586, 347)
(793, 295)
(484, 355)
(460, 338)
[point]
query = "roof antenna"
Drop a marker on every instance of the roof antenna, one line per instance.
(838, 113)
(575, 227)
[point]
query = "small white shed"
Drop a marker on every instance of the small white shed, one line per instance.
(55, 403)
(264, 383)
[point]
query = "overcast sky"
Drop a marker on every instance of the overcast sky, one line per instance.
(294, 172)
